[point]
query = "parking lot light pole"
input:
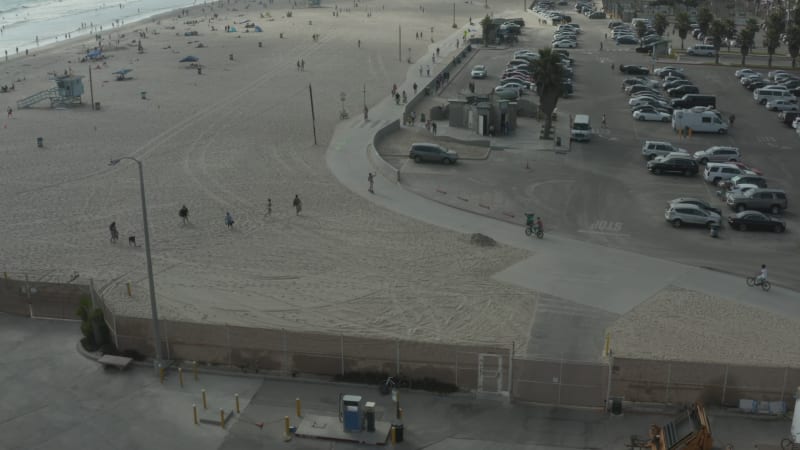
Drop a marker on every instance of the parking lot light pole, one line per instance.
(153, 307)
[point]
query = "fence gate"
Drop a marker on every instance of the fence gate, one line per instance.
(490, 372)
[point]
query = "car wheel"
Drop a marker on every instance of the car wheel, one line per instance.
(711, 225)
(722, 131)
(641, 118)
(447, 161)
(775, 209)
(665, 119)
(742, 227)
(740, 208)
(657, 171)
(715, 181)
(677, 223)
(704, 161)
(417, 159)
(778, 228)
(762, 102)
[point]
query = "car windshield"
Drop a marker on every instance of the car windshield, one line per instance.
(580, 126)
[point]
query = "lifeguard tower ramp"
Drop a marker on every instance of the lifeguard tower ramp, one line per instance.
(67, 92)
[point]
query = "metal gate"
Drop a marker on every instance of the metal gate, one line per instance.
(490, 372)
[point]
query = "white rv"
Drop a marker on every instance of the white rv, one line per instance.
(699, 120)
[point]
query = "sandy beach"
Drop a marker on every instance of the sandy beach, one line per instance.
(227, 140)
(240, 133)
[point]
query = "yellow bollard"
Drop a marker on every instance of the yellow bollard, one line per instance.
(298, 407)
(194, 368)
(690, 133)
(205, 403)
(394, 435)
(286, 435)
(161, 374)
(222, 417)
(194, 410)
(237, 402)
(180, 376)
(130, 293)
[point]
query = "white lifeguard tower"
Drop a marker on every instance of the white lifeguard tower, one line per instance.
(68, 91)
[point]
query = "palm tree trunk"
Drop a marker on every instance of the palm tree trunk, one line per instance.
(548, 124)
(769, 61)
(743, 59)
(681, 44)
(716, 58)
(794, 62)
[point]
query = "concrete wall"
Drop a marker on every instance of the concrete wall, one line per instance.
(383, 167)
(41, 299)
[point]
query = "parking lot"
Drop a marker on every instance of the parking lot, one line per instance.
(600, 191)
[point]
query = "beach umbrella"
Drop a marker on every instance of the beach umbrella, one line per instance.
(190, 59)
(121, 73)
(258, 29)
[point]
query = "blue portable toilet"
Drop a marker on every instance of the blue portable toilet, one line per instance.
(351, 413)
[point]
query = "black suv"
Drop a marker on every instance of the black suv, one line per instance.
(680, 91)
(634, 70)
(683, 165)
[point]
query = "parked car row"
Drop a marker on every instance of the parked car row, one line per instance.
(587, 8)
(517, 79)
(546, 10)
(566, 36)
(746, 191)
(778, 91)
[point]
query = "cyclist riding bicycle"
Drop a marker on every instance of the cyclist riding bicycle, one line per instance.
(763, 276)
(529, 219)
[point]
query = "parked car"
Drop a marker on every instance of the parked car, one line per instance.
(637, 101)
(782, 105)
(772, 200)
(754, 220)
(755, 84)
(672, 73)
(627, 40)
(506, 93)
(684, 213)
(651, 149)
(658, 116)
(652, 109)
(716, 172)
(637, 88)
(742, 72)
(422, 152)
(565, 44)
(478, 71)
(787, 117)
(597, 15)
(697, 202)
(683, 165)
(747, 178)
(634, 70)
(680, 91)
(675, 83)
(717, 153)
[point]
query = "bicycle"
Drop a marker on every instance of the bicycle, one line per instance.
(533, 229)
(755, 281)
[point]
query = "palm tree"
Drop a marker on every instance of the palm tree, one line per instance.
(775, 25)
(704, 19)
(717, 31)
(486, 28)
(548, 73)
(660, 23)
(793, 36)
(747, 38)
(683, 25)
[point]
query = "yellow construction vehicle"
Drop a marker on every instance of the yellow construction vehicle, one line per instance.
(689, 430)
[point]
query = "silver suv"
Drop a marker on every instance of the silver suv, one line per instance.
(772, 200)
(432, 152)
(717, 153)
(651, 149)
(685, 213)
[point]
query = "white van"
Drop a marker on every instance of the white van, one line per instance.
(762, 96)
(699, 120)
(581, 128)
(716, 172)
(701, 50)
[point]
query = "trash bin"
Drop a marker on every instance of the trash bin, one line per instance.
(144, 95)
(713, 231)
(369, 415)
(260, 44)
(39, 142)
(96, 105)
(398, 431)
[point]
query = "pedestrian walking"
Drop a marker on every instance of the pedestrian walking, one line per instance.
(302, 65)
(359, 43)
(298, 204)
(298, 65)
(732, 119)
(420, 70)
(397, 98)
(371, 179)
(433, 58)
(433, 128)
(437, 51)
(10, 112)
(405, 97)
(601, 45)
(394, 89)
(114, 233)
(413, 117)
(184, 214)
(415, 84)
(429, 72)
(228, 220)
(603, 121)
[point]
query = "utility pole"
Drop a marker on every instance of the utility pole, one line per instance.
(454, 15)
(313, 119)
(399, 43)
(366, 111)
(91, 86)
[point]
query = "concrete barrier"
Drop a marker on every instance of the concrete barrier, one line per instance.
(375, 160)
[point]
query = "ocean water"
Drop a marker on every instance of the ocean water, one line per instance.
(22, 21)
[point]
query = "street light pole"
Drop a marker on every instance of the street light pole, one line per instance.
(153, 307)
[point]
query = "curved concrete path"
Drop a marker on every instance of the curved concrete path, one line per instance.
(597, 276)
